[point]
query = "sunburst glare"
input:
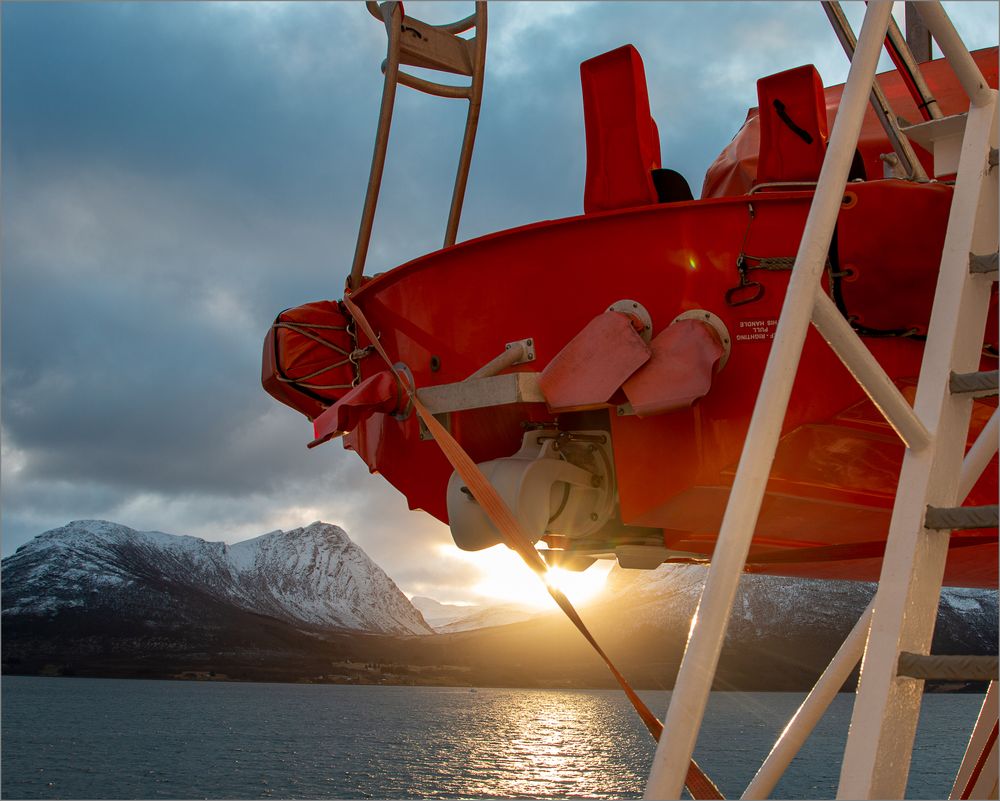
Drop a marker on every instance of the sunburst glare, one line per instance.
(505, 577)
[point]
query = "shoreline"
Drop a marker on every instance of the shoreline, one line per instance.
(393, 680)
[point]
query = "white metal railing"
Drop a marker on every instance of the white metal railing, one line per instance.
(957, 53)
(811, 710)
(979, 455)
(912, 168)
(694, 680)
(886, 710)
(867, 371)
(867, 771)
(431, 47)
(978, 757)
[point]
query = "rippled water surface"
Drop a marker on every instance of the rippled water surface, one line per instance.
(105, 738)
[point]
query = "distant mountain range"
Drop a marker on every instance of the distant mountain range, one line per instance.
(772, 606)
(446, 618)
(98, 598)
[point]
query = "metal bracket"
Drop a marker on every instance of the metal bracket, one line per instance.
(425, 433)
(960, 518)
(638, 310)
(982, 384)
(943, 138)
(520, 351)
(892, 167)
(399, 367)
(529, 350)
(980, 265)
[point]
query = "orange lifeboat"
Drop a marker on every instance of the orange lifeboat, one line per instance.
(602, 369)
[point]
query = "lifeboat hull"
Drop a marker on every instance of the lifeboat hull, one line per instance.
(830, 495)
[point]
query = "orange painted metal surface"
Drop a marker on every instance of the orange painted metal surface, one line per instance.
(793, 129)
(829, 498)
(734, 172)
(673, 469)
(623, 144)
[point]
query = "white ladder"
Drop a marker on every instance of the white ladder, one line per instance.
(934, 430)
(932, 479)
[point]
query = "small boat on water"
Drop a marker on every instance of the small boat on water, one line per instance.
(787, 374)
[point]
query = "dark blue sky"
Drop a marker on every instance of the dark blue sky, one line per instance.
(174, 174)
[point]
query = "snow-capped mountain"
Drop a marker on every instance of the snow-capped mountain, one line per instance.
(312, 577)
(447, 618)
(100, 599)
(769, 606)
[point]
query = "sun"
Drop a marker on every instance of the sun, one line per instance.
(504, 578)
(580, 586)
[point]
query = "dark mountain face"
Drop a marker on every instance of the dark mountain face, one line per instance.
(97, 598)
(782, 631)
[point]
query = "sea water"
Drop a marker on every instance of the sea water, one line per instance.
(108, 738)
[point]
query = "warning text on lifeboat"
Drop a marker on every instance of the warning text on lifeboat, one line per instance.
(750, 330)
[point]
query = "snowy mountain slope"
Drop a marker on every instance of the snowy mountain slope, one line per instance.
(489, 616)
(313, 577)
(769, 605)
(439, 614)
(447, 618)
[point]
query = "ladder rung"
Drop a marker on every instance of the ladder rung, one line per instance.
(949, 668)
(983, 264)
(980, 385)
(951, 518)
(925, 133)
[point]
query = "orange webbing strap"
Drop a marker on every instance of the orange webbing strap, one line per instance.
(697, 783)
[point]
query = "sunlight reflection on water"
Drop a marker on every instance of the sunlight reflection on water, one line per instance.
(545, 744)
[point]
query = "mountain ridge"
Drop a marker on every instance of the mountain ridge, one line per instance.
(314, 576)
(446, 618)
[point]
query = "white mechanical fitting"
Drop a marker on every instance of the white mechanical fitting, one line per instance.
(558, 482)
(527, 349)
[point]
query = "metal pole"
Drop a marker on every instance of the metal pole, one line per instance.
(880, 103)
(471, 124)
(809, 713)
(978, 457)
(985, 785)
(911, 61)
(392, 24)
(956, 52)
(868, 372)
(918, 38)
(508, 358)
(884, 721)
(694, 681)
